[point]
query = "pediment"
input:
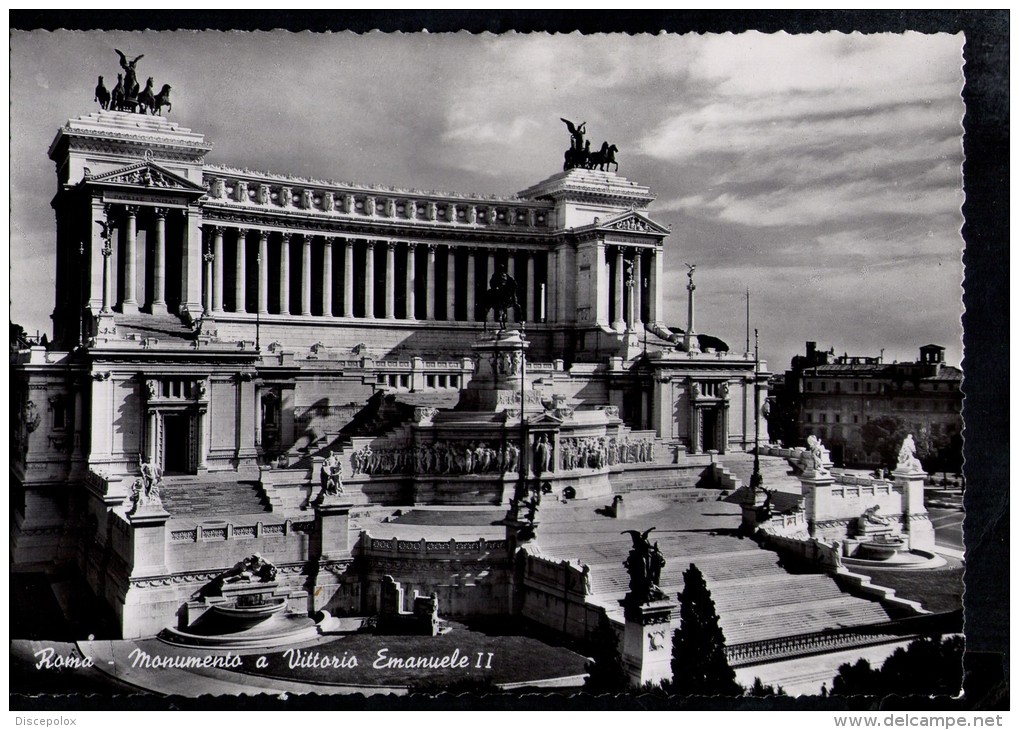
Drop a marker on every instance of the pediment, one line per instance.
(145, 175)
(632, 222)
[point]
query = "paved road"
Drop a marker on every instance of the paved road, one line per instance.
(947, 527)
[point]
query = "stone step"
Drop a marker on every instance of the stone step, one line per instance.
(199, 498)
(800, 618)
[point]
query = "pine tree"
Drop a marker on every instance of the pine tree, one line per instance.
(699, 664)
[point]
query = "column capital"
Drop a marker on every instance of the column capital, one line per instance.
(263, 234)
(160, 211)
(215, 228)
(286, 235)
(131, 210)
(371, 243)
(242, 231)
(391, 245)
(412, 245)
(431, 248)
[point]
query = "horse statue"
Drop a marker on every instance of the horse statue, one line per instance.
(118, 95)
(162, 99)
(146, 98)
(500, 298)
(603, 158)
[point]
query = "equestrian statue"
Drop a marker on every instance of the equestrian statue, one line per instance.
(500, 298)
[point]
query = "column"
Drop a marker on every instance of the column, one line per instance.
(285, 274)
(100, 229)
(327, 277)
(638, 282)
(628, 285)
(217, 267)
(348, 278)
(601, 293)
(390, 282)
(618, 323)
(471, 309)
(263, 272)
(191, 267)
(654, 293)
(411, 311)
(152, 440)
(430, 284)
(130, 303)
(306, 274)
(369, 280)
(241, 283)
(201, 438)
(159, 263)
(511, 270)
(529, 275)
(208, 258)
(451, 282)
(107, 253)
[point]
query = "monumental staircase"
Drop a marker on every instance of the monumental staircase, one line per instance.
(766, 609)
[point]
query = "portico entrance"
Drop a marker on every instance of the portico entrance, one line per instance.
(178, 450)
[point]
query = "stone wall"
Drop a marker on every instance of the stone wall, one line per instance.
(470, 578)
(555, 595)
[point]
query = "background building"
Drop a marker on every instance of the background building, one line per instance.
(861, 406)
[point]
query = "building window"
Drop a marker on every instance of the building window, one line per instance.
(430, 381)
(838, 418)
(838, 386)
(810, 418)
(856, 386)
(824, 387)
(810, 385)
(823, 418)
(868, 387)
(856, 418)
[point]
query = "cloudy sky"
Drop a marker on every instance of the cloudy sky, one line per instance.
(820, 171)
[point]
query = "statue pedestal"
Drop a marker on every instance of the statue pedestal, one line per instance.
(916, 521)
(332, 527)
(817, 503)
(498, 377)
(647, 642)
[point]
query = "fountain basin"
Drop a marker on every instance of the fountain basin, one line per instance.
(242, 617)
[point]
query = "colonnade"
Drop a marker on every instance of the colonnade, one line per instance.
(285, 273)
(234, 269)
